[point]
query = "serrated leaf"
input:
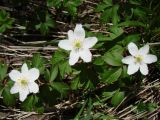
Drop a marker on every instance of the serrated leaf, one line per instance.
(38, 62)
(64, 68)
(58, 57)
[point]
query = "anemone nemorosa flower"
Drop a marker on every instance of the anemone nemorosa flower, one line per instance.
(138, 59)
(78, 45)
(24, 81)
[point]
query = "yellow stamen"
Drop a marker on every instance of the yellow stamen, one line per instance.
(23, 82)
(77, 44)
(138, 59)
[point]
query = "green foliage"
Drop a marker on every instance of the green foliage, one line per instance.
(54, 73)
(38, 62)
(146, 107)
(59, 60)
(61, 87)
(113, 76)
(101, 116)
(114, 56)
(109, 11)
(92, 88)
(3, 71)
(8, 98)
(117, 98)
(32, 103)
(44, 26)
(5, 21)
(54, 3)
(69, 5)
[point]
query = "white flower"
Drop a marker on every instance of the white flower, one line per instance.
(138, 59)
(78, 44)
(24, 81)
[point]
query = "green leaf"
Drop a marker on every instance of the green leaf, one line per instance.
(117, 98)
(28, 104)
(58, 57)
(132, 23)
(3, 71)
(38, 62)
(100, 36)
(151, 107)
(114, 33)
(77, 117)
(47, 74)
(5, 21)
(54, 3)
(75, 83)
(98, 61)
(64, 68)
(71, 6)
(114, 56)
(141, 107)
(8, 98)
(108, 95)
(44, 26)
(61, 88)
(108, 2)
(32, 103)
(101, 7)
(131, 38)
(106, 15)
(114, 76)
(54, 73)
(115, 17)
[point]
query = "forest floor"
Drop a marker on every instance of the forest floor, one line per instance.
(16, 47)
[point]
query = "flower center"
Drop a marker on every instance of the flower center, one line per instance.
(138, 59)
(77, 44)
(23, 82)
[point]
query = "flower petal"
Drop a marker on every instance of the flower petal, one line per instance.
(86, 55)
(65, 44)
(70, 35)
(89, 42)
(73, 58)
(128, 60)
(144, 50)
(23, 94)
(33, 74)
(14, 75)
(79, 32)
(24, 68)
(133, 49)
(33, 87)
(14, 89)
(144, 69)
(132, 68)
(149, 58)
